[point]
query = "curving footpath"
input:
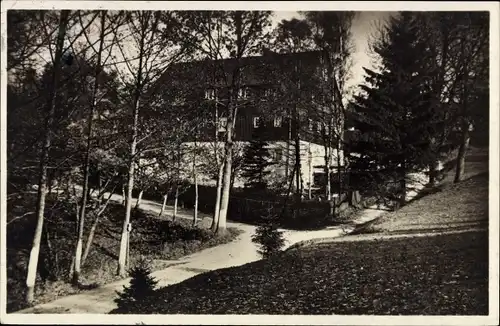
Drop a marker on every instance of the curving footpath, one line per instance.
(235, 253)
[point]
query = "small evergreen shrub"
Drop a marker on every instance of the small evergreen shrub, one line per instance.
(267, 236)
(142, 285)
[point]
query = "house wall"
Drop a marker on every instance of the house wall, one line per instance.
(312, 159)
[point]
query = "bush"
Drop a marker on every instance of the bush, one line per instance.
(268, 237)
(142, 285)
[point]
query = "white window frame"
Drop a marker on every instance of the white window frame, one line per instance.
(278, 122)
(210, 94)
(243, 92)
(222, 124)
(270, 92)
(256, 122)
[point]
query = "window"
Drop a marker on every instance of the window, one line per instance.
(278, 122)
(210, 94)
(256, 122)
(320, 126)
(243, 92)
(222, 124)
(270, 93)
(278, 155)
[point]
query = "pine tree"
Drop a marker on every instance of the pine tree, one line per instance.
(142, 285)
(395, 118)
(256, 160)
(267, 236)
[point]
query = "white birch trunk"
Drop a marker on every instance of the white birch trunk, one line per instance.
(42, 184)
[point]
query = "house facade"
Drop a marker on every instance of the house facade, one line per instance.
(278, 91)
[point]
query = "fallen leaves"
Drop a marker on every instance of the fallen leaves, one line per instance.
(345, 278)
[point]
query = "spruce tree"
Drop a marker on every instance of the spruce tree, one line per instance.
(256, 160)
(394, 117)
(267, 237)
(142, 285)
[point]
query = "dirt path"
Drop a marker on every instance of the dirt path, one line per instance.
(242, 250)
(235, 253)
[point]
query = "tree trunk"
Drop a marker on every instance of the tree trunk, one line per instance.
(298, 176)
(124, 242)
(462, 151)
(86, 168)
(139, 199)
(215, 220)
(328, 186)
(176, 201)
(195, 179)
(44, 157)
(402, 185)
(128, 208)
(195, 214)
(339, 170)
(433, 172)
(226, 185)
(309, 189)
(90, 239)
(226, 181)
(165, 198)
(124, 195)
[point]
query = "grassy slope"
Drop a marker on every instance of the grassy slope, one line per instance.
(449, 206)
(386, 277)
(445, 274)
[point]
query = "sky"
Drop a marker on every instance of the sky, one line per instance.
(362, 28)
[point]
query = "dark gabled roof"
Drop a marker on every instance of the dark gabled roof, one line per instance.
(255, 69)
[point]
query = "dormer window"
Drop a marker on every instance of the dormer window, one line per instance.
(210, 94)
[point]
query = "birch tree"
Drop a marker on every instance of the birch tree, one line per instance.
(42, 185)
(152, 47)
(229, 35)
(332, 36)
(86, 167)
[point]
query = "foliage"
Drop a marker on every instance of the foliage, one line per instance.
(151, 239)
(142, 285)
(394, 118)
(256, 160)
(268, 237)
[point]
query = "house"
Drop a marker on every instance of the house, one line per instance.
(278, 90)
